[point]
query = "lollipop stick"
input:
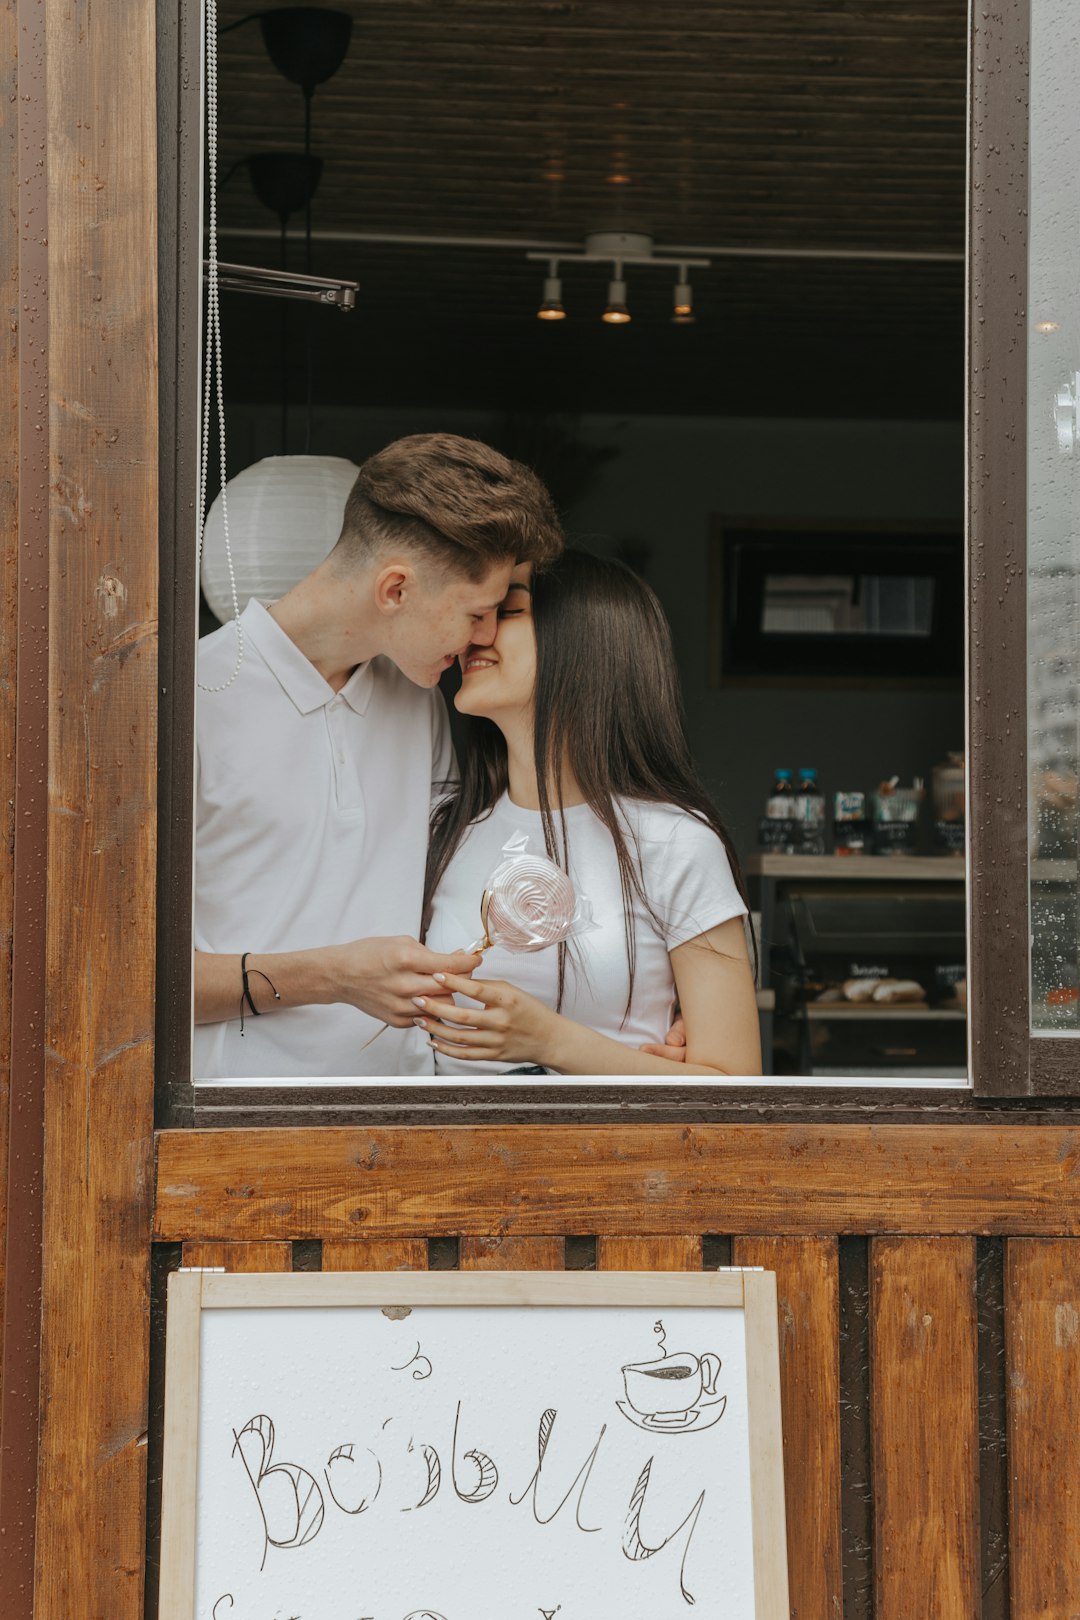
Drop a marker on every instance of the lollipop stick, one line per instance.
(485, 944)
(382, 1029)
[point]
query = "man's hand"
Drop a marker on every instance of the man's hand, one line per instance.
(383, 976)
(675, 1048)
(380, 976)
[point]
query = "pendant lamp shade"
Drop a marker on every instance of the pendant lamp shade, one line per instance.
(306, 43)
(285, 516)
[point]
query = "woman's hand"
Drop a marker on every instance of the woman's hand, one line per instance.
(715, 987)
(510, 1027)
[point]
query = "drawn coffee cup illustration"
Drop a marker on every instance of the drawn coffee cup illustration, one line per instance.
(674, 1392)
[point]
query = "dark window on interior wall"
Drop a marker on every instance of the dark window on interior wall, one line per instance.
(1006, 1058)
(841, 603)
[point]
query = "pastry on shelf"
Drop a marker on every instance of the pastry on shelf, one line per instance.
(891, 992)
(884, 992)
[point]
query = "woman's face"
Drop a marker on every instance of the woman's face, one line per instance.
(499, 680)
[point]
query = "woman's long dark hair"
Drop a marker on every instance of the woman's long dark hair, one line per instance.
(607, 692)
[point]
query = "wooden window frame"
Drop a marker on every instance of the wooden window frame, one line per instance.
(1005, 1060)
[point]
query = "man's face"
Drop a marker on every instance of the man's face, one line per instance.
(439, 615)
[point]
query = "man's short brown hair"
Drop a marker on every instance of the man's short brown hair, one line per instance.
(455, 500)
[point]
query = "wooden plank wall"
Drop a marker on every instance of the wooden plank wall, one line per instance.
(1042, 1320)
(808, 1302)
(890, 1460)
(925, 1404)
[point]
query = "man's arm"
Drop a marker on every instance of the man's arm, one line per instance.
(380, 976)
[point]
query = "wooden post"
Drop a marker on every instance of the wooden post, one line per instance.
(24, 711)
(99, 1025)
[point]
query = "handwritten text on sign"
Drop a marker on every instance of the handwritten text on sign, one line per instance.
(449, 1463)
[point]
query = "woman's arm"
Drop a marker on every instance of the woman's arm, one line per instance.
(715, 984)
(716, 991)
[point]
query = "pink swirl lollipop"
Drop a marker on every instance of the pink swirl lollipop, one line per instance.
(529, 903)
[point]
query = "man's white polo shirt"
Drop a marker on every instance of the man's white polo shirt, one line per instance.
(311, 828)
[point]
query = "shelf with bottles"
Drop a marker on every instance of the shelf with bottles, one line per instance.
(889, 821)
(885, 823)
(794, 820)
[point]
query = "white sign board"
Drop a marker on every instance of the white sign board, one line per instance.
(492, 1446)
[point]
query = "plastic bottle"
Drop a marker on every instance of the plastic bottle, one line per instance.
(810, 813)
(780, 805)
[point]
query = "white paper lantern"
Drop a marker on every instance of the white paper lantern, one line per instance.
(285, 516)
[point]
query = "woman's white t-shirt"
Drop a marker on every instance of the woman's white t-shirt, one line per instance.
(686, 877)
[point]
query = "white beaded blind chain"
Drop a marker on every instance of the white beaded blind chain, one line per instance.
(212, 380)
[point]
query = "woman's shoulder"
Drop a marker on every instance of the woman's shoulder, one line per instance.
(685, 869)
(665, 823)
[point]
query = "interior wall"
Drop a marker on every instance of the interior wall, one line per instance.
(671, 477)
(656, 483)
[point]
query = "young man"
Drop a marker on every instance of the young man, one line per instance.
(316, 763)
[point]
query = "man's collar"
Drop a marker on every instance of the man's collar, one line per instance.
(295, 673)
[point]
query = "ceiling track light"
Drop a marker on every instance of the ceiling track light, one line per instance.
(617, 312)
(619, 248)
(683, 312)
(551, 304)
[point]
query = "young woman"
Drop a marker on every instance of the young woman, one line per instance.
(577, 739)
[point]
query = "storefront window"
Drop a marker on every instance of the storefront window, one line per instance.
(1053, 580)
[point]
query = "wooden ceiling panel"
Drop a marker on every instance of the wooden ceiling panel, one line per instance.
(784, 124)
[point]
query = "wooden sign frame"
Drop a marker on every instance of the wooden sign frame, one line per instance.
(192, 1292)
